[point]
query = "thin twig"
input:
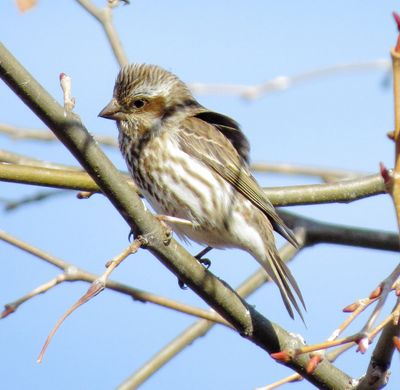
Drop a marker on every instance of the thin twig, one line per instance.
(24, 134)
(326, 174)
(104, 17)
(95, 288)
(14, 204)
(281, 83)
(73, 273)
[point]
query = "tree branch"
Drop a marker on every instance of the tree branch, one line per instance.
(104, 17)
(345, 191)
(281, 83)
(72, 273)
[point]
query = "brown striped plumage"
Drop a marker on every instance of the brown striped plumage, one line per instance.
(192, 164)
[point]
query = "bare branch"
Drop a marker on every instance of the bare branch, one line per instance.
(320, 232)
(18, 133)
(104, 17)
(14, 204)
(326, 174)
(72, 273)
(281, 83)
(343, 192)
(20, 159)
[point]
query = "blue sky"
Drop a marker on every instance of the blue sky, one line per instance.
(337, 122)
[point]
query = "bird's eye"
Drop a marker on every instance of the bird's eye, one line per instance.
(138, 103)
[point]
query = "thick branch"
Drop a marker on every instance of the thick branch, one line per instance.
(249, 322)
(320, 232)
(345, 191)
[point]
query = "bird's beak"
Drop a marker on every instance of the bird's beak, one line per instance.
(112, 111)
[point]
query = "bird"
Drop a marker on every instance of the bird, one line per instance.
(192, 166)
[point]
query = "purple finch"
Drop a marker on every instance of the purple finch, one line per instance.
(191, 164)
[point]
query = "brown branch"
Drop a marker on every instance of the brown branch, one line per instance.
(377, 372)
(378, 369)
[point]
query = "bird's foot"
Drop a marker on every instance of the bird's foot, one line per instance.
(199, 258)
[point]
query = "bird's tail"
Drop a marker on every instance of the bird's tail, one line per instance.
(278, 271)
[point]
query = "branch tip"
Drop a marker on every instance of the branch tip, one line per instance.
(396, 18)
(8, 309)
(376, 293)
(350, 308)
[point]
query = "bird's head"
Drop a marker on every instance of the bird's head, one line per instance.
(146, 93)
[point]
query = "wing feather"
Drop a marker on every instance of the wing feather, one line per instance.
(225, 160)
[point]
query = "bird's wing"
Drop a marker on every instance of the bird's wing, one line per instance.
(203, 141)
(230, 129)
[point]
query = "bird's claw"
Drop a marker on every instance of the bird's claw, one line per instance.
(205, 262)
(199, 257)
(182, 285)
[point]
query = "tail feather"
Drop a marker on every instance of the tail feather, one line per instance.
(278, 271)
